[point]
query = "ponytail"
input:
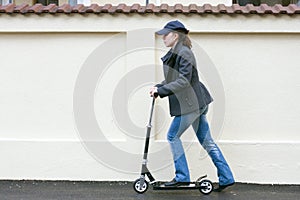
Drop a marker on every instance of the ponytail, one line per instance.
(186, 41)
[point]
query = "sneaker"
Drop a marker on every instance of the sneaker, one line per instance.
(173, 183)
(222, 187)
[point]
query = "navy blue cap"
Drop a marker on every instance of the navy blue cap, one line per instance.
(173, 26)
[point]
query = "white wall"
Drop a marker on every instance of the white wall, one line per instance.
(50, 62)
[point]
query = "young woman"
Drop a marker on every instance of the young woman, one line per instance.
(188, 102)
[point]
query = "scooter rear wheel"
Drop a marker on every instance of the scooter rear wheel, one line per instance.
(140, 188)
(206, 187)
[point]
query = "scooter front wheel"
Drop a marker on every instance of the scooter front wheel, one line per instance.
(206, 187)
(140, 186)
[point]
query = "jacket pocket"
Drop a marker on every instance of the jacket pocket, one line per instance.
(188, 101)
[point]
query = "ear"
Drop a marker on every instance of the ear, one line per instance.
(176, 35)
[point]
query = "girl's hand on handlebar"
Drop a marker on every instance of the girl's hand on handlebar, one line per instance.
(153, 92)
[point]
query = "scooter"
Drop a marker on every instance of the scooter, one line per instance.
(141, 185)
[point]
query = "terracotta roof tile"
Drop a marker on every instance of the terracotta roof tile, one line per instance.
(93, 8)
(122, 8)
(65, 8)
(164, 8)
(51, 8)
(293, 9)
(193, 8)
(37, 8)
(151, 8)
(251, 9)
(222, 8)
(178, 8)
(21, 8)
(79, 8)
(207, 8)
(237, 9)
(7, 8)
(106, 8)
(135, 8)
(266, 9)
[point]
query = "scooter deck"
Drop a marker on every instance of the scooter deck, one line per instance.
(191, 186)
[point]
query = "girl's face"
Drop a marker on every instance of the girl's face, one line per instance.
(170, 39)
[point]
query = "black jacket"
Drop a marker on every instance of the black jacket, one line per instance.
(186, 93)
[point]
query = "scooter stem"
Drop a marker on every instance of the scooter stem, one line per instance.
(151, 112)
(149, 126)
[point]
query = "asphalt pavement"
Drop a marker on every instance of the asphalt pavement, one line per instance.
(69, 190)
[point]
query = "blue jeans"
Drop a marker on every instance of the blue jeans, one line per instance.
(200, 125)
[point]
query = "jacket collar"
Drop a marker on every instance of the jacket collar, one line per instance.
(172, 51)
(177, 47)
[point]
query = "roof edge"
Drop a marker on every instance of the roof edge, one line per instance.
(150, 8)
